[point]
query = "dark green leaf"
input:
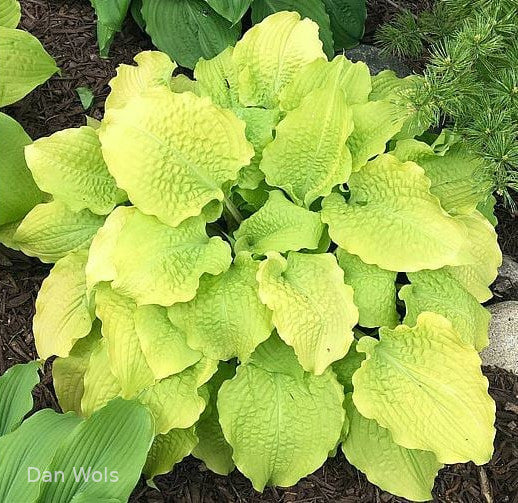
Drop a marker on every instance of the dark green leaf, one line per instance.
(347, 21)
(110, 15)
(233, 10)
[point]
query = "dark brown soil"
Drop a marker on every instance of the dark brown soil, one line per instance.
(67, 30)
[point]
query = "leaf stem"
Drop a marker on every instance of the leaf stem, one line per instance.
(231, 207)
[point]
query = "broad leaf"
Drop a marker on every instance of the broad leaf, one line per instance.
(233, 10)
(397, 233)
(440, 292)
(187, 29)
(69, 165)
(281, 424)
(64, 314)
(110, 16)
(425, 385)
(345, 368)
(269, 55)
(409, 473)
(313, 310)
(10, 13)
(18, 192)
(347, 21)
(374, 290)
(226, 318)
(202, 146)
(16, 386)
(50, 231)
(25, 64)
(279, 225)
(308, 162)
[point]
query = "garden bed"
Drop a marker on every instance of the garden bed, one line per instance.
(67, 31)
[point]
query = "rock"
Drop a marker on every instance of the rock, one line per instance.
(507, 280)
(503, 337)
(376, 61)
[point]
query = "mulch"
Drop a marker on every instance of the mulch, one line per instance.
(66, 28)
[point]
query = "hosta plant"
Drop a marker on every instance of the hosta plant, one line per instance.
(270, 261)
(190, 29)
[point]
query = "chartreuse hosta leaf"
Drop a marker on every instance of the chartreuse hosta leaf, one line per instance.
(374, 290)
(484, 257)
(169, 449)
(68, 373)
(425, 385)
(16, 386)
(307, 162)
(63, 311)
(180, 255)
(114, 440)
(164, 345)
(126, 358)
(69, 165)
(280, 421)
(401, 229)
(203, 147)
(212, 447)
(10, 13)
(354, 80)
(18, 192)
(409, 473)
(226, 318)
(457, 177)
(50, 231)
(279, 225)
(440, 292)
(313, 309)
(269, 55)
(33, 444)
(153, 69)
(345, 368)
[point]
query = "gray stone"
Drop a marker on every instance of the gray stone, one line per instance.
(507, 280)
(376, 61)
(503, 337)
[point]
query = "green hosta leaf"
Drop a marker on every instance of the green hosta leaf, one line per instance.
(269, 55)
(63, 311)
(312, 9)
(203, 147)
(226, 318)
(347, 366)
(16, 394)
(181, 83)
(110, 16)
(51, 231)
(456, 176)
(425, 385)
(86, 96)
(279, 226)
(10, 13)
(163, 344)
(7, 232)
(409, 473)
(484, 257)
(179, 257)
(99, 384)
(33, 444)
(167, 450)
(127, 361)
(68, 373)
(440, 292)
(188, 29)
(212, 447)
(233, 10)
(397, 233)
(375, 123)
(374, 290)
(18, 192)
(313, 309)
(308, 162)
(174, 401)
(154, 69)
(114, 439)
(69, 165)
(347, 21)
(487, 209)
(354, 79)
(25, 65)
(281, 425)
